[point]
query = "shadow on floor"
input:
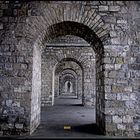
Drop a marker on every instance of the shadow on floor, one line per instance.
(77, 105)
(68, 105)
(88, 129)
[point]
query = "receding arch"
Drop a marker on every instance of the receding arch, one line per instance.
(95, 39)
(71, 72)
(67, 69)
(57, 70)
(62, 78)
(69, 59)
(76, 29)
(79, 29)
(67, 78)
(51, 14)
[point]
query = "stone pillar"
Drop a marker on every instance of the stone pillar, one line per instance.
(100, 94)
(36, 89)
(120, 99)
(15, 85)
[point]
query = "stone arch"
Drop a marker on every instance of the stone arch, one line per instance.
(72, 73)
(51, 14)
(84, 56)
(46, 25)
(27, 37)
(87, 34)
(83, 31)
(60, 70)
(70, 59)
(68, 85)
(67, 69)
(69, 82)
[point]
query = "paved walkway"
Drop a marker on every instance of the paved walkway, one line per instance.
(71, 113)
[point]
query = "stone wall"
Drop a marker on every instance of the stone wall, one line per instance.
(84, 55)
(15, 71)
(112, 29)
(36, 89)
(64, 77)
(70, 65)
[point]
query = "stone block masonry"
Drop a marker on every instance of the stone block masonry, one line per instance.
(85, 55)
(112, 30)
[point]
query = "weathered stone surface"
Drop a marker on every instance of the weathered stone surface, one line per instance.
(117, 119)
(117, 66)
(117, 89)
(119, 60)
(110, 27)
(19, 126)
(131, 104)
(134, 66)
(109, 66)
(110, 96)
(136, 127)
(82, 54)
(128, 89)
(114, 8)
(121, 126)
(12, 115)
(127, 119)
(103, 8)
(121, 21)
(111, 128)
(1, 26)
(8, 103)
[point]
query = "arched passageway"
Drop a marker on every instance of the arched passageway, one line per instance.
(68, 107)
(75, 70)
(77, 29)
(67, 84)
(111, 29)
(63, 77)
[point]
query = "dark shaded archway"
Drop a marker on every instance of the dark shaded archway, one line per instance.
(83, 31)
(76, 29)
(70, 72)
(58, 69)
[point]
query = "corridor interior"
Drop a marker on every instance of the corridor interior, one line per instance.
(68, 111)
(68, 108)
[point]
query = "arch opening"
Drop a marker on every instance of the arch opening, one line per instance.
(77, 29)
(69, 71)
